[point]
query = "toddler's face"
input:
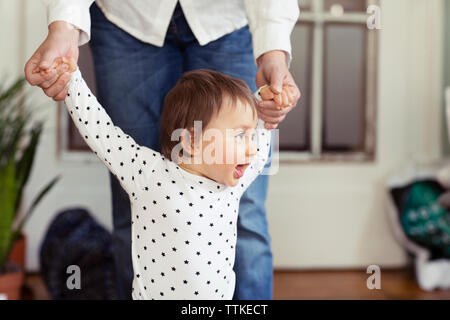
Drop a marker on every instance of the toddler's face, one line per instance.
(228, 143)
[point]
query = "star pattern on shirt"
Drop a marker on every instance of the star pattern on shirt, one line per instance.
(172, 215)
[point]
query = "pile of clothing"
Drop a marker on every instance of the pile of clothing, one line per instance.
(419, 209)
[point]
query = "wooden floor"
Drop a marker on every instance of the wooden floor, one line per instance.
(352, 284)
(300, 285)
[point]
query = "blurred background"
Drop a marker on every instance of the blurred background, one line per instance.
(372, 104)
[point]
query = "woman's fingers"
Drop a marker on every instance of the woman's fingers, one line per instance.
(38, 78)
(270, 104)
(272, 116)
(285, 99)
(32, 70)
(272, 120)
(278, 100)
(296, 94)
(290, 94)
(59, 85)
(269, 108)
(281, 100)
(270, 126)
(47, 84)
(56, 73)
(62, 95)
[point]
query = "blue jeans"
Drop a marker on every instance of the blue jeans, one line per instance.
(133, 78)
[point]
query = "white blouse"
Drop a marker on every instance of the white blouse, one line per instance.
(183, 225)
(270, 21)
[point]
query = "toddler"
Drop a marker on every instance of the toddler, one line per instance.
(184, 206)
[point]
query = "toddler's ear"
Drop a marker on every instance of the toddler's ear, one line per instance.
(188, 142)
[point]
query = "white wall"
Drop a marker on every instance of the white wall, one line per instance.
(326, 215)
(321, 215)
(82, 183)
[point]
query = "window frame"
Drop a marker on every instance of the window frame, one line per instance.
(318, 18)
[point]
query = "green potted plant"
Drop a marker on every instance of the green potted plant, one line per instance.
(19, 138)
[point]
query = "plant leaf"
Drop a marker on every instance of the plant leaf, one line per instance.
(35, 202)
(8, 194)
(25, 163)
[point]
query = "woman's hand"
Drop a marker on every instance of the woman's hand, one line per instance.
(282, 100)
(273, 71)
(44, 69)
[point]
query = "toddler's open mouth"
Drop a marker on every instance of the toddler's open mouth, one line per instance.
(240, 169)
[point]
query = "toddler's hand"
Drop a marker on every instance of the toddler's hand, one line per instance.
(61, 65)
(61, 69)
(282, 100)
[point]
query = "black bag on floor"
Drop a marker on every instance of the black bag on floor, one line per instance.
(76, 258)
(421, 224)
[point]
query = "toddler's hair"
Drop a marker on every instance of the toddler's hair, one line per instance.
(198, 96)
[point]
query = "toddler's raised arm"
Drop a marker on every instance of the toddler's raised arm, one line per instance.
(128, 161)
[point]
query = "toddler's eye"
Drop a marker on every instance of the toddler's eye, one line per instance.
(240, 136)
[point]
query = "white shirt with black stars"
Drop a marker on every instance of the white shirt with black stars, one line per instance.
(183, 225)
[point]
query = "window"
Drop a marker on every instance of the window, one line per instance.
(334, 65)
